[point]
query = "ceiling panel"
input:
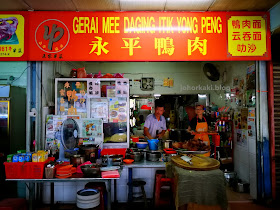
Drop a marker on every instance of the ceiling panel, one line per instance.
(13, 5)
(242, 5)
(97, 5)
(143, 5)
(137, 5)
(190, 5)
(51, 5)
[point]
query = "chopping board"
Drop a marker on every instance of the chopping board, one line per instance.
(198, 163)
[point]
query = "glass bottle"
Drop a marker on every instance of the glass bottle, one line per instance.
(73, 73)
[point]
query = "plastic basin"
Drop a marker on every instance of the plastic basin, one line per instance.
(141, 145)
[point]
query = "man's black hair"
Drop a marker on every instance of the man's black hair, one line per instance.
(159, 103)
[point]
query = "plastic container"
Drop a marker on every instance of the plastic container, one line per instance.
(49, 173)
(141, 145)
(25, 170)
(135, 139)
(216, 139)
(153, 144)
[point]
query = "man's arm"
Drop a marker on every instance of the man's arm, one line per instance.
(146, 133)
(161, 134)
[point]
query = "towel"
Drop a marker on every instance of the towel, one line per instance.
(110, 174)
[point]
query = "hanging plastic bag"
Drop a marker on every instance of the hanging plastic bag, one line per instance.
(81, 73)
(118, 75)
(99, 75)
(108, 76)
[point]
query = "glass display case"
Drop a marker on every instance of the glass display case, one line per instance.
(97, 98)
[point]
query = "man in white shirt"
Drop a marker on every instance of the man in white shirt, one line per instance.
(155, 124)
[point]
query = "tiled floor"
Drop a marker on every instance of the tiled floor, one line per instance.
(235, 196)
(236, 201)
(243, 201)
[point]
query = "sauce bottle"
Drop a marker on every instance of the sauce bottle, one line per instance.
(73, 73)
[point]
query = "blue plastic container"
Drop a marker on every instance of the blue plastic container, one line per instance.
(153, 144)
(141, 145)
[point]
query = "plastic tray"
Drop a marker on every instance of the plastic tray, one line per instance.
(25, 170)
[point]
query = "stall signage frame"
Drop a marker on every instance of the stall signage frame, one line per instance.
(144, 36)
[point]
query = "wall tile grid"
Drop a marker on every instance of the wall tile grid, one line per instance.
(46, 193)
(70, 193)
(16, 69)
(252, 145)
(241, 162)
(253, 184)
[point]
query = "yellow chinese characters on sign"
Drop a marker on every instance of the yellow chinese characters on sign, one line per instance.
(247, 36)
(98, 46)
(164, 46)
(131, 43)
(12, 36)
(197, 44)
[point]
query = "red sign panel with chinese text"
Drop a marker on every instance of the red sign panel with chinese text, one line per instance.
(148, 36)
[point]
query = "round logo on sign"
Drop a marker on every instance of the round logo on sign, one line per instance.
(52, 36)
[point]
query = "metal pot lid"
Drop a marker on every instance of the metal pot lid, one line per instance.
(154, 152)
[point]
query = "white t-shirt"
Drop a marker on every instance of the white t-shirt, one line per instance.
(154, 125)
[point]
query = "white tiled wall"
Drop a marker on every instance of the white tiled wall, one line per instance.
(241, 162)
(253, 167)
(65, 192)
(245, 164)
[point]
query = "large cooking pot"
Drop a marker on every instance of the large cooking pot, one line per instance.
(137, 156)
(179, 135)
(231, 178)
(115, 160)
(90, 152)
(153, 156)
(77, 160)
(91, 170)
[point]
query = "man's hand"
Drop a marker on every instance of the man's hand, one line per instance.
(161, 134)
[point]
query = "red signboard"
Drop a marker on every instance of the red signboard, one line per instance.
(147, 36)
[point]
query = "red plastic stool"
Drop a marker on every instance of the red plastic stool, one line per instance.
(102, 189)
(13, 204)
(163, 189)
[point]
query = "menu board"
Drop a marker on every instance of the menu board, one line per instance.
(117, 109)
(98, 108)
(72, 98)
(91, 128)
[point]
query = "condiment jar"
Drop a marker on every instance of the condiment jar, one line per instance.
(73, 73)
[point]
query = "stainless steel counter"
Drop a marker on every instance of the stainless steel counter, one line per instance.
(145, 164)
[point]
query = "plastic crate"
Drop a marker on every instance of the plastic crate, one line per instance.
(114, 151)
(25, 170)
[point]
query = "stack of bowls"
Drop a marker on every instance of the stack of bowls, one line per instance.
(88, 198)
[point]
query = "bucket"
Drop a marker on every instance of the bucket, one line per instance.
(135, 139)
(153, 144)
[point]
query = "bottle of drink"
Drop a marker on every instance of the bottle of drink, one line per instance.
(220, 126)
(224, 126)
(227, 127)
(73, 73)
